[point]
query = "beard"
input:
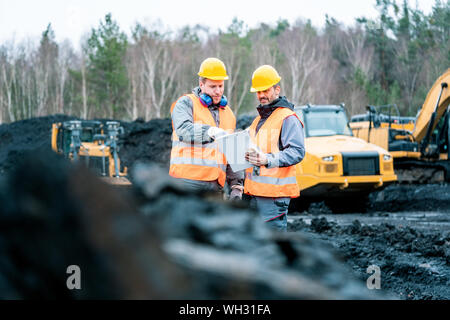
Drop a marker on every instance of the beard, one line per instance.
(264, 101)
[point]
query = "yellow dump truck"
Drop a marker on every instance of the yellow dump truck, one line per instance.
(338, 168)
(420, 148)
(95, 144)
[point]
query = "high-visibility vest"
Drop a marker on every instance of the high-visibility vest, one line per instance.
(274, 182)
(197, 161)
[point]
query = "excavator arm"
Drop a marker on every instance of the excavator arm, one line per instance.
(434, 107)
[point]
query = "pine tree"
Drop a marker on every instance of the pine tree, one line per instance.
(107, 75)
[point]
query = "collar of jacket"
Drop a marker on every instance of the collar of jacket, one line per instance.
(197, 93)
(266, 110)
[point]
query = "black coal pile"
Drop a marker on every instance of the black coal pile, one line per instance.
(26, 135)
(396, 198)
(244, 121)
(414, 264)
(411, 197)
(146, 141)
(42, 232)
(166, 243)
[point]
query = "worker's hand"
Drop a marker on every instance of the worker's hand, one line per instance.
(215, 132)
(236, 193)
(256, 157)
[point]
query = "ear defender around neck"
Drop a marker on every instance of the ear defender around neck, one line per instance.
(223, 102)
(207, 101)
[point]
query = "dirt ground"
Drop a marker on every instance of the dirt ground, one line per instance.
(406, 231)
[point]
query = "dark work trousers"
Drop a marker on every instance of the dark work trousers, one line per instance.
(197, 185)
(272, 210)
(210, 189)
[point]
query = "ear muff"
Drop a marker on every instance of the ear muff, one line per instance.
(206, 100)
(223, 102)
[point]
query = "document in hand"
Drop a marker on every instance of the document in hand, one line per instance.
(234, 146)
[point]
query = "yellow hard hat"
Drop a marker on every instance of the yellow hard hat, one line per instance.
(264, 77)
(214, 69)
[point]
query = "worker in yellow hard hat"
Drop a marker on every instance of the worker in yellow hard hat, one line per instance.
(198, 119)
(278, 135)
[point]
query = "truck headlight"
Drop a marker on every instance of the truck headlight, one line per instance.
(387, 157)
(328, 159)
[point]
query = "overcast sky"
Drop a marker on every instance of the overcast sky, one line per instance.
(70, 19)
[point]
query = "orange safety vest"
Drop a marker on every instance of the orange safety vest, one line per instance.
(197, 161)
(274, 182)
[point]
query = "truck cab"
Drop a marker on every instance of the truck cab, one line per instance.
(338, 167)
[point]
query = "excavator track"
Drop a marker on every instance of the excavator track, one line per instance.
(419, 172)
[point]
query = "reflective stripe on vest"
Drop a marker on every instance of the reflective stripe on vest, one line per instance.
(197, 161)
(273, 182)
(196, 154)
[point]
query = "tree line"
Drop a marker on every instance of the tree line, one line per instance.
(392, 59)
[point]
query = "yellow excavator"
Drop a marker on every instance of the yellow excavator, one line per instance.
(420, 146)
(338, 168)
(93, 143)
